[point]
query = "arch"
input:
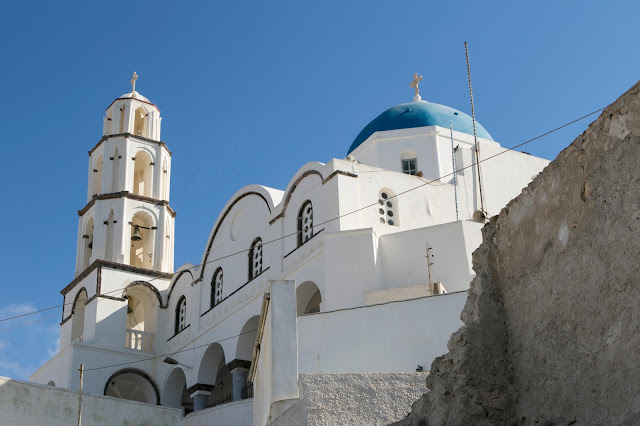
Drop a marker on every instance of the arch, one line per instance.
(213, 371)
(388, 207)
(216, 287)
(409, 162)
(140, 122)
(51, 383)
(77, 311)
(133, 385)
(142, 174)
(255, 258)
(115, 171)
(141, 253)
(108, 241)
(181, 315)
(263, 194)
(87, 243)
(305, 222)
(148, 286)
(247, 339)
(184, 269)
(121, 119)
(294, 185)
(308, 298)
(109, 122)
(175, 392)
(97, 176)
(143, 301)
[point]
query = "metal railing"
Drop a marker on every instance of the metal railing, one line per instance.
(247, 391)
(140, 340)
(225, 399)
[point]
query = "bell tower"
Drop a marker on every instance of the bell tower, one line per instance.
(127, 218)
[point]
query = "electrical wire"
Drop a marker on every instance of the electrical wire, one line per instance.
(425, 182)
(169, 354)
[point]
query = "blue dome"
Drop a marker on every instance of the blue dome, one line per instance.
(420, 114)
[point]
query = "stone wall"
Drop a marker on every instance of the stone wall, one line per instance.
(23, 403)
(552, 322)
(353, 399)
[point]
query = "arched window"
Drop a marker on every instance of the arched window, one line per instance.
(181, 315)
(142, 174)
(387, 207)
(308, 298)
(97, 176)
(409, 162)
(255, 258)
(305, 223)
(216, 288)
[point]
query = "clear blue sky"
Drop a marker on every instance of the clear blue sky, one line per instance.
(251, 91)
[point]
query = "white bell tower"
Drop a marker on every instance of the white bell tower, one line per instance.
(127, 219)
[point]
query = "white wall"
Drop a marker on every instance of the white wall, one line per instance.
(392, 337)
(236, 413)
(23, 403)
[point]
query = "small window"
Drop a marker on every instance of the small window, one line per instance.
(216, 288)
(305, 223)
(255, 259)
(181, 315)
(409, 166)
(387, 207)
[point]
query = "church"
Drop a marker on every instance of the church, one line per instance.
(349, 281)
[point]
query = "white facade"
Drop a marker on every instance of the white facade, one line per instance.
(341, 254)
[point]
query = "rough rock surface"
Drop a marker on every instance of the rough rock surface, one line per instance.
(552, 322)
(353, 399)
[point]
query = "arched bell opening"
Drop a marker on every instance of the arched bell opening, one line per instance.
(133, 385)
(142, 174)
(97, 176)
(77, 319)
(87, 244)
(115, 171)
(308, 298)
(175, 391)
(140, 122)
(142, 240)
(108, 241)
(142, 314)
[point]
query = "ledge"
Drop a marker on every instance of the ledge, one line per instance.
(302, 245)
(234, 292)
(130, 135)
(129, 195)
(186, 326)
(114, 265)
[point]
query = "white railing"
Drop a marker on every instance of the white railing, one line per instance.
(140, 340)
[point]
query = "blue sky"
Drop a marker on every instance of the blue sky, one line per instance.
(251, 91)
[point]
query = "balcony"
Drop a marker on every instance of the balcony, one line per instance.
(140, 340)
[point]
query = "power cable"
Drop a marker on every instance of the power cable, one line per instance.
(426, 182)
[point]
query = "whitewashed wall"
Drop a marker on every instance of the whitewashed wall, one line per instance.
(23, 403)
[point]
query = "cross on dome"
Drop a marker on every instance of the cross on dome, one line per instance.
(135, 77)
(416, 80)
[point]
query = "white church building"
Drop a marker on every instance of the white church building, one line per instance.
(356, 271)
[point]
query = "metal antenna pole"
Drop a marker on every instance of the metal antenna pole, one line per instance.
(81, 368)
(475, 134)
(455, 172)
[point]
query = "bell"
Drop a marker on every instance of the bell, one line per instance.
(90, 245)
(136, 234)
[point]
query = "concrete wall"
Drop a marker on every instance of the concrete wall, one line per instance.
(23, 403)
(236, 413)
(552, 319)
(353, 399)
